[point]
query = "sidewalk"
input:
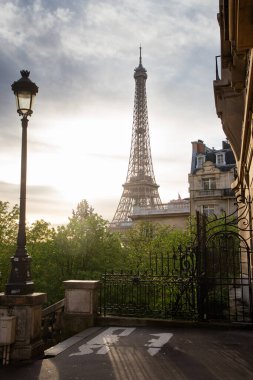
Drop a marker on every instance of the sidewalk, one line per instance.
(144, 353)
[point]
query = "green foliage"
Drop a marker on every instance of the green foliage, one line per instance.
(86, 244)
(8, 223)
(41, 247)
(147, 244)
(83, 249)
(8, 236)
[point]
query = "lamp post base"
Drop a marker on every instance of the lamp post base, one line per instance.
(16, 289)
(20, 281)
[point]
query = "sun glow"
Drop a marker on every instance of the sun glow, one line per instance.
(81, 155)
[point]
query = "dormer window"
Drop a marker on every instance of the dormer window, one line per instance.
(200, 161)
(220, 159)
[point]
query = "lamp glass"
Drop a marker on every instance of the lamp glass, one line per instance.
(24, 101)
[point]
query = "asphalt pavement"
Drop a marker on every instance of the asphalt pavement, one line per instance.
(143, 353)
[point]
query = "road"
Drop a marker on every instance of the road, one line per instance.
(144, 353)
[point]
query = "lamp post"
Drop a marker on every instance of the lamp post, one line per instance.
(20, 281)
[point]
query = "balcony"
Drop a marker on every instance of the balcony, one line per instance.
(164, 209)
(214, 193)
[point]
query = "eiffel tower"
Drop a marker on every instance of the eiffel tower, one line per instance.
(140, 188)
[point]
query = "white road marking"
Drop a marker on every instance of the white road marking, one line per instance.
(102, 341)
(156, 344)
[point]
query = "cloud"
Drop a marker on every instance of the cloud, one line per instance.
(82, 55)
(42, 201)
(9, 191)
(85, 50)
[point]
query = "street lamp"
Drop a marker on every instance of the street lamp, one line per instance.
(20, 281)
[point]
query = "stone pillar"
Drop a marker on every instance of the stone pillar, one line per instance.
(81, 305)
(28, 312)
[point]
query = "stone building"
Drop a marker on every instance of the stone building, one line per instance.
(212, 172)
(175, 213)
(233, 93)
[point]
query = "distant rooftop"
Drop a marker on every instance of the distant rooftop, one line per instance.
(222, 158)
(179, 206)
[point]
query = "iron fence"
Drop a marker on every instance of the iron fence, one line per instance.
(148, 295)
(211, 280)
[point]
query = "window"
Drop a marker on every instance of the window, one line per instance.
(208, 209)
(220, 159)
(209, 184)
(200, 161)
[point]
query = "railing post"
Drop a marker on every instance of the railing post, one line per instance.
(81, 306)
(28, 312)
(201, 265)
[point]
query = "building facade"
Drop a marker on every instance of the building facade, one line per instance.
(175, 213)
(212, 173)
(210, 179)
(233, 93)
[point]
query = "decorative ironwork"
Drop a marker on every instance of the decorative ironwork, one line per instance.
(165, 290)
(238, 221)
(211, 280)
(225, 290)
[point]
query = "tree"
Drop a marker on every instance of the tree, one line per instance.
(87, 245)
(8, 223)
(44, 268)
(148, 245)
(82, 249)
(8, 238)
(40, 231)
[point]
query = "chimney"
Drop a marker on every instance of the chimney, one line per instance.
(226, 145)
(198, 147)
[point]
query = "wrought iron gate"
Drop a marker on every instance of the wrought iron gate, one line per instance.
(166, 291)
(208, 281)
(224, 275)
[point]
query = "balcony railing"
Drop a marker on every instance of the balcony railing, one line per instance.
(169, 208)
(215, 193)
(52, 323)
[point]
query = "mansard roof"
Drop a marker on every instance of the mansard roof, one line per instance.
(210, 154)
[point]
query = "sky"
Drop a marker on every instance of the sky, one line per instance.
(82, 55)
